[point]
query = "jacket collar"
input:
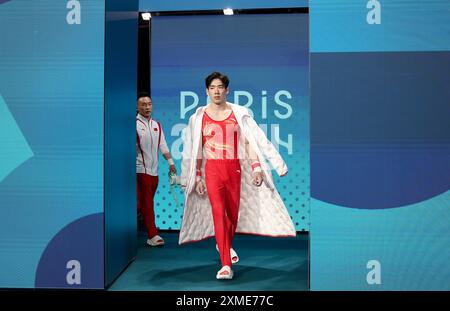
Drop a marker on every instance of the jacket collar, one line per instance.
(143, 119)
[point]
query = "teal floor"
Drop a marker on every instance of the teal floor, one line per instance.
(272, 264)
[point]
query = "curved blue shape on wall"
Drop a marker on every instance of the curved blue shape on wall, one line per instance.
(379, 176)
(79, 243)
(380, 128)
(14, 147)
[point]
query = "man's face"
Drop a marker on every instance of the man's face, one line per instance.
(145, 106)
(217, 92)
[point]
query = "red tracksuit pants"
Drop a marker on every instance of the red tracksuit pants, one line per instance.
(146, 189)
(223, 184)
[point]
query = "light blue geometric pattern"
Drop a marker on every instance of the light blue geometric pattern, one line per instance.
(14, 149)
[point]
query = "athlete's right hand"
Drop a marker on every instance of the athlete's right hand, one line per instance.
(200, 188)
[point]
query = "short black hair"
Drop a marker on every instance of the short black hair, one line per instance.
(142, 94)
(217, 75)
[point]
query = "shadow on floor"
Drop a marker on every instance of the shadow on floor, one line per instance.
(276, 264)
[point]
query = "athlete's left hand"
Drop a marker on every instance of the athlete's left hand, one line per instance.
(172, 170)
(257, 178)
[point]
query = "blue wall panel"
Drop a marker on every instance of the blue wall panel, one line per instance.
(120, 135)
(410, 243)
(380, 146)
(51, 182)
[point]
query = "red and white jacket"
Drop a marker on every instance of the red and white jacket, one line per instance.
(149, 138)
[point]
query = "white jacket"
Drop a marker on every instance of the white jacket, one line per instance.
(261, 211)
(149, 138)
